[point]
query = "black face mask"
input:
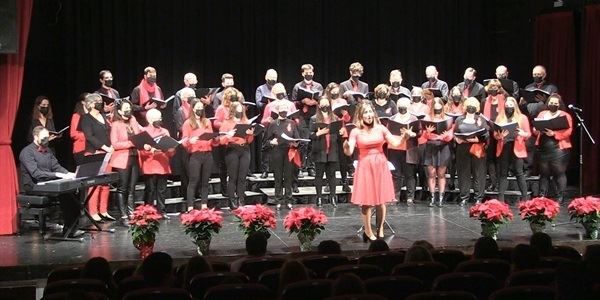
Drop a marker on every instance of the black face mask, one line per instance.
(381, 95)
(471, 109)
(416, 99)
(509, 111)
(44, 141)
(493, 92)
(456, 98)
(553, 108)
(396, 84)
(44, 110)
(151, 79)
(308, 77)
(502, 76)
(280, 96)
(198, 112)
(402, 110)
(157, 124)
(437, 111)
(468, 81)
(324, 109)
(234, 98)
(271, 82)
(355, 77)
(368, 124)
(538, 79)
(192, 86)
(127, 114)
(108, 82)
(335, 96)
(283, 114)
(431, 79)
(238, 114)
(99, 106)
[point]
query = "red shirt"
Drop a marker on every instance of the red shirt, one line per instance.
(157, 162)
(228, 125)
(200, 145)
(221, 114)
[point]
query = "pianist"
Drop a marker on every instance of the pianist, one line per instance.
(39, 165)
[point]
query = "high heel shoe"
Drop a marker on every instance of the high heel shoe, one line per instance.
(97, 219)
(334, 201)
(380, 236)
(366, 238)
(319, 202)
(107, 217)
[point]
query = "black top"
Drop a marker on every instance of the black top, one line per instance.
(387, 110)
(110, 92)
(96, 133)
(319, 144)
(462, 127)
(533, 109)
(37, 166)
(276, 128)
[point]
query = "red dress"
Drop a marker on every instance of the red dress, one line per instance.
(372, 179)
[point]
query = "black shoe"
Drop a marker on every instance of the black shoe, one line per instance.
(232, 204)
(326, 189)
(311, 172)
(295, 190)
(346, 188)
(264, 175)
(333, 201)
(319, 202)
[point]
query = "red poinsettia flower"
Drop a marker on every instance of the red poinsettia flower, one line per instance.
(144, 224)
(307, 220)
(493, 211)
(539, 209)
(585, 209)
(253, 218)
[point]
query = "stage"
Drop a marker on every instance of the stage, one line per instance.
(28, 256)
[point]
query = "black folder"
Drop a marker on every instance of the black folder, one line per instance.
(557, 123)
(267, 99)
(440, 126)
(510, 127)
(467, 135)
(166, 143)
(530, 94)
(334, 126)
(507, 84)
(141, 139)
(304, 93)
(395, 128)
(161, 101)
(394, 97)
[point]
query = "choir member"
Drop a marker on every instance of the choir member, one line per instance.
(420, 109)
(106, 82)
(200, 150)
(332, 92)
(237, 150)
(396, 87)
(502, 73)
(383, 106)
(156, 163)
(325, 148)
(186, 95)
(354, 85)
(189, 81)
(469, 87)
(264, 91)
(42, 116)
(470, 152)
(553, 148)
(539, 82)
(427, 97)
(125, 159)
(510, 148)
(492, 107)
(75, 131)
(217, 99)
(96, 129)
(405, 157)
(229, 96)
(454, 107)
(433, 82)
(373, 184)
(141, 96)
(282, 151)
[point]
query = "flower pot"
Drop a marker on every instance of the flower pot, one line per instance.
(591, 230)
(145, 249)
(537, 227)
(202, 246)
(305, 242)
(489, 229)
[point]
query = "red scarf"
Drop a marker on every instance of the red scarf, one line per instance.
(145, 90)
(294, 157)
(487, 107)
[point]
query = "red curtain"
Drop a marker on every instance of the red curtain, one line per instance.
(590, 97)
(11, 79)
(554, 46)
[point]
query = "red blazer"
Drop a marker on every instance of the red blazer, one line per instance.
(487, 105)
(229, 125)
(77, 136)
(221, 114)
(562, 136)
(119, 138)
(519, 144)
(158, 162)
(200, 145)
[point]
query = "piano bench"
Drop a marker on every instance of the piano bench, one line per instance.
(32, 207)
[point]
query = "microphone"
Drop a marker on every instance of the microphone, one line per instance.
(575, 108)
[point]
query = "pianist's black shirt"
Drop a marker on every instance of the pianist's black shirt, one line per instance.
(37, 166)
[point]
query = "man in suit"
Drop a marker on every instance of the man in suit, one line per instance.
(354, 85)
(502, 74)
(433, 82)
(226, 81)
(261, 91)
(469, 87)
(396, 85)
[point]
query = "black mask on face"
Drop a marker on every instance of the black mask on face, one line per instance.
(456, 98)
(308, 77)
(335, 96)
(471, 109)
(416, 99)
(151, 79)
(280, 96)
(44, 141)
(431, 79)
(437, 111)
(238, 114)
(509, 111)
(381, 95)
(44, 110)
(157, 124)
(324, 109)
(283, 114)
(468, 81)
(108, 82)
(193, 86)
(99, 106)
(271, 82)
(538, 79)
(553, 108)
(127, 114)
(234, 98)
(355, 77)
(402, 110)
(368, 123)
(503, 76)
(493, 92)
(396, 84)
(198, 112)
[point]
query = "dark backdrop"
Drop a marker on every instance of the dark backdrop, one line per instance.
(71, 41)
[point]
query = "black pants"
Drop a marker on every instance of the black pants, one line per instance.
(156, 189)
(452, 166)
(305, 148)
(329, 169)
(199, 169)
(282, 172)
(238, 161)
(127, 179)
(181, 161)
(265, 154)
(492, 162)
(555, 168)
(404, 173)
(509, 161)
(219, 158)
(469, 166)
(344, 162)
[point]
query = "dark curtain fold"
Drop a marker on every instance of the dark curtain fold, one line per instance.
(11, 79)
(590, 100)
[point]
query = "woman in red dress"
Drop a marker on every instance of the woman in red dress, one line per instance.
(373, 184)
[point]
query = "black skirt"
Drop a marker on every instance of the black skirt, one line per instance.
(437, 154)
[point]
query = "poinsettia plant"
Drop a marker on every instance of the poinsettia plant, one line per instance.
(305, 220)
(144, 224)
(493, 211)
(255, 218)
(201, 224)
(539, 210)
(585, 209)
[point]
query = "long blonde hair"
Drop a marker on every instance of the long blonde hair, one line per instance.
(502, 119)
(233, 109)
(360, 111)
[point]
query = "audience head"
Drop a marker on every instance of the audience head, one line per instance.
(417, 254)
(524, 257)
(190, 80)
(157, 269)
(485, 247)
(196, 265)
(347, 284)
(292, 271)
(378, 245)
(271, 77)
(256, 244)
(423, 243)
(592, 256)
(542, 243)
(98, 268)
(329, 247)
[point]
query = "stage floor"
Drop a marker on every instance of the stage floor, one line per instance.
(447, 227)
